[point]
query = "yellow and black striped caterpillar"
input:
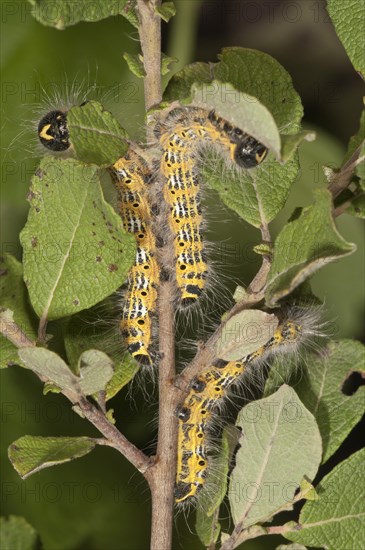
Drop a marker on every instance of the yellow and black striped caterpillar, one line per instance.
(131, 176)
(207, 392)
(181, 137)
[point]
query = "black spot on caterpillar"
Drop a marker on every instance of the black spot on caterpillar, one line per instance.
(131, 176)
(181, 135)
(207, 392)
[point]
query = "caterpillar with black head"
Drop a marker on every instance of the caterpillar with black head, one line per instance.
(183, 133)
(207, 392)
(131, 176)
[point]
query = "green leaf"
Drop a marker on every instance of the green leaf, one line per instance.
(256, 195)
(90, 330)
(291, 547)
(303, 246)
(48, 364)
(76, 251)
(17, 534)
(30, 454)
(179, 87)
(240, 294)
(356, 141)
(251, 72)
(349, 21)
(320, 387)
(166, 11)
(336, 520)
(166, 63)
(129, 11)
(244, 333)
(290, 143)
(14, 296)
(135, 64)
(241, 110)
(61, 14)
(281, 445)
(357, 207)
(215, 488)
(96, 370)
(95, 134)
(207, 528)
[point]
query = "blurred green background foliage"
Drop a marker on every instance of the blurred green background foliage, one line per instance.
(99, 502)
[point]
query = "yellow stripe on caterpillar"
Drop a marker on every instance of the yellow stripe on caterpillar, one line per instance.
(181, 135)
(131, 175)
(206, 393)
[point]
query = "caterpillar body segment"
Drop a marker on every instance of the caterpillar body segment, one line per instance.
(182, 135)
(205, 395)
(132, 176)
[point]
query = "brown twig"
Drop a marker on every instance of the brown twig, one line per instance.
(161, 477)
(114, 438)
(12, 332)
(150, 36)
(341, 179)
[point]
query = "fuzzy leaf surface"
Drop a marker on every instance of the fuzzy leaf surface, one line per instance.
(166, 10)
(215, 488)
(256, 195)
(304, 245)
(349, 21)
(96, 370)
(30, 454)
(61, 14)
(248, 71)
(320, 387)
(14, 296)
(17, 534)
(76, 251)
(95, 134)
(48, 364)
(280, 442)
(337, 520)
(244, 333)
(135, 64)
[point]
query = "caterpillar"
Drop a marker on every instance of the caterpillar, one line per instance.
(207, 392)
(181, 135)
(131, 177)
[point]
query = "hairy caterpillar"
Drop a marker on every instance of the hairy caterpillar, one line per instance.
(181, 135)
(206, 394)
(131, 176)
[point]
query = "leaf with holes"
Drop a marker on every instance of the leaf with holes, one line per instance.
(76, 251)
(320, 385)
